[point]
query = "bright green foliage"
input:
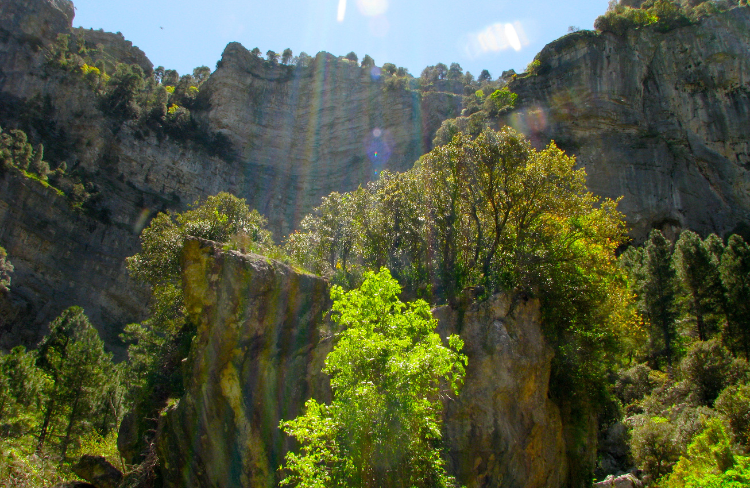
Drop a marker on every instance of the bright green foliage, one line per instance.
(388, 371)
(500, 101)
(22, 390)
(697, 266)
(6, 268)
(73, 356)
(735, 276)
(710, 462)
(493, 213)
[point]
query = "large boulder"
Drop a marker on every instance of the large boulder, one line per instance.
(257, 357)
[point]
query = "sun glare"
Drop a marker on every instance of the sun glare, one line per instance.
(496, 37)
(371, 8)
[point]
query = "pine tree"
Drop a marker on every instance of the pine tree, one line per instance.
(697, 266)
(660, 294)
(735, 275)
(80, 371)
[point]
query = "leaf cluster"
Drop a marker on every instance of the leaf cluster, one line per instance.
(389, 371)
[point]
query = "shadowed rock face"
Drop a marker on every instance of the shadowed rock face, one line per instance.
(261, 343)
(658, 118)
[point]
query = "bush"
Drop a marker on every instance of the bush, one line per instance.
(707, 366)
(633, 384)
(734, 405)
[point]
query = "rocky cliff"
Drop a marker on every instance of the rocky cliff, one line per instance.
(655, 117)
(297, 134)
(261, 342)
(658, 118)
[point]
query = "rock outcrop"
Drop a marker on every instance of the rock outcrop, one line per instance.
(657, 118)
(260, 345)
(61, 258)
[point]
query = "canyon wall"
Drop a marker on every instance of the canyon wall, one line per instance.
(657, 118)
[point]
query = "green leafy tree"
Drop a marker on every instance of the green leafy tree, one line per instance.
(201, 74)
(455, 72)
(697, 266)
(352, 56)
(73, 356)
(22, 387)
(389, 68)
(484, 76)
(123, 89)
(218, 218)
(388, 371)
(272, 56)
(735, 276)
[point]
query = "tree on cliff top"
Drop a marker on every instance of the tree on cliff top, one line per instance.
(388, 372)
(219, 218)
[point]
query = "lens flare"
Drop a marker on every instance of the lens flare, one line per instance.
(371, 8)
(141, 220)
(341, 11)
(375, 75)
(379, 147)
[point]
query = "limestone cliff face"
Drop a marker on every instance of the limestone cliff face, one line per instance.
(61, 258)
(255, 359)
(303, 132)
(659, 118)
(298, 135)
(257, 356)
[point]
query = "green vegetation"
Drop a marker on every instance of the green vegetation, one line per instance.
(159, 102)
(664, 15)
(689, 422)
(56, 403)
(17, 155)
(388, 371)
(6, 268)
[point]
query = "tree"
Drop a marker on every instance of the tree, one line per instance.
(388, 372)
(6, 268)
(219, 218)
(697, 266)
(660, 293)
(352, 56)
(73, 356)
(255, 52)
(441, 71)
(735, 276)
(389, 68)
(367, 61)
(286, 56)
(201, 74)
(484, 76)
(272, 57)
(455, 72)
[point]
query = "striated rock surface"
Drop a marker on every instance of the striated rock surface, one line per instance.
(257, 356)
(502, 430)
(659, 118)
(255, 359)
(303, 132)
(61, 258)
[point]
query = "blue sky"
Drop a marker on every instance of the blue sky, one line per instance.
(477, 34)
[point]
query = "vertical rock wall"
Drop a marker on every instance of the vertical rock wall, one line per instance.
(258, 354)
